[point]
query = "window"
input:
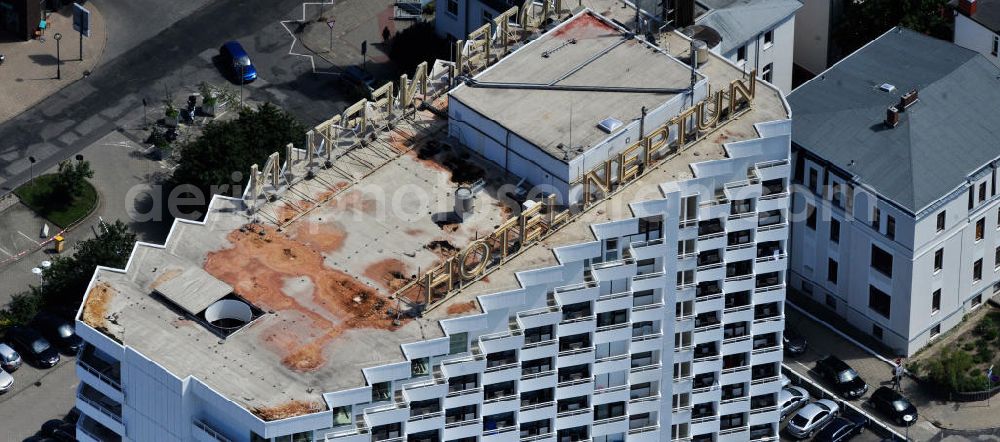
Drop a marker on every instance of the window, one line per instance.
(342, 415)
(741, 54)
(879, 301)
(380, 391)
(419, 367)
(940, 221)
(939, 259)
(996, 46)
(996, 258)
(835, 231)
(766, 73)
(935, 330)
(982, 192)
(768, 38)
(980, 229)
(453, 7)
(936, 301)
(876, 219)
(977, 300)
(890, 227)
(813, 178)
(831, 271)
(458, 343)
(831, 302)
(977, 270)
(881, 261)
(810, 216)
(877, 331)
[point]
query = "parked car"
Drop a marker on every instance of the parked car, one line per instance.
(33, 347)
(845, 380)
(58, 331)
(894, 405)
(812, 418)
(6, 381)
(9, 359)
(790, 399)
(842, 429)
(795, 344)
(237, 59)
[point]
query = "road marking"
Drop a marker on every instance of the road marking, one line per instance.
(291, 48)
(29, 238)
(803, 366)
(5, 252)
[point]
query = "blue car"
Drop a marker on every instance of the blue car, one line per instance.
(239, 62)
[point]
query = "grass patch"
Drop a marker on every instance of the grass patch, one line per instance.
(962, 364)
(61, 211)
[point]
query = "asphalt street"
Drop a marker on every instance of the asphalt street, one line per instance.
(173, 60)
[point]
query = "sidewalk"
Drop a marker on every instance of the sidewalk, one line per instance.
(28, 75)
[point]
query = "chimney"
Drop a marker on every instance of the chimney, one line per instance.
(892, 117)
(967, 7)
(907, 99)
(684, 13)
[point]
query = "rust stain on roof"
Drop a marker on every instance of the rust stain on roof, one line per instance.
(585, 26)
(463, 307)
(95, 310)
(390, 273)
(287, 410)
(258, 265)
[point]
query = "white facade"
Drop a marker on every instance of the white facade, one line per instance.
(928, 294)
(454, 19)
(667, 325)
(812, 35)
(970, 34)
(770, 53)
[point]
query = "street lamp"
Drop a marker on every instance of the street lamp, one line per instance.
(58, 37)
(907, 419)
(38, 271)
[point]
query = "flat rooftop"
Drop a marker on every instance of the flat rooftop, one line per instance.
(321, 262)
(587, 50)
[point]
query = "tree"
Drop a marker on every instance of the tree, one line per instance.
(70, 178)
(68, 277)
(864, 21)
(224, 152)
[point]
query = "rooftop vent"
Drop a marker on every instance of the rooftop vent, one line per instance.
(610, 124)
(886, 87)
(892, 116)
(908, 99)
(228, 314)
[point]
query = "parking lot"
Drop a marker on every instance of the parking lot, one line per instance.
(875, 372)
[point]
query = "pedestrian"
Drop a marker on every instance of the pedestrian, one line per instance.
(897, 376)
(386, 34)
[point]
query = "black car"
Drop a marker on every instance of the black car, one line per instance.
(795, 344)
(845, 380)
(842, 428)
(58, 331)
(33, 347)
(894, 405)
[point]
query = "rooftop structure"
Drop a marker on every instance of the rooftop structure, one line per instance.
(840, 116)
(555, 91)
(303, 304)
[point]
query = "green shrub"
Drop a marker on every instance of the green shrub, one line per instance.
(949, 369)
(968, 346)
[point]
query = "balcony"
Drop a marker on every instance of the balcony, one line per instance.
(107, 372)
(710, 229)
(94, 430)
(707, 290)
(210, 432)
(98, 400)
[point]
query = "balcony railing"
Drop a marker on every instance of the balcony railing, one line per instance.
(569, 413)
(464, 392)
(211, 431)
(114, 414)
(537, 437)
(114, 383)
(462, 423)
(645, 429)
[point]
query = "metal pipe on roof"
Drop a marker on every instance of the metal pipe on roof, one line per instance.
(584, 64)
(473, 83)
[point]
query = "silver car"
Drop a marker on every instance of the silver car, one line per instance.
(6, 381)
(790, 399)
(9, 359)
(812, 418)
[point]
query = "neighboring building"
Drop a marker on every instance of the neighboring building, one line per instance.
(754, 34)
(896, 206)
(455, 19)
(977, 27)
(653, 313)
(814, 25)
(20, 18)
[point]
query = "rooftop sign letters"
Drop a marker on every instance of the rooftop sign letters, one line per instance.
(619, 170)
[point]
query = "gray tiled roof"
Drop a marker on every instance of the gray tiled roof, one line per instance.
(740, 20)
(953, 130)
